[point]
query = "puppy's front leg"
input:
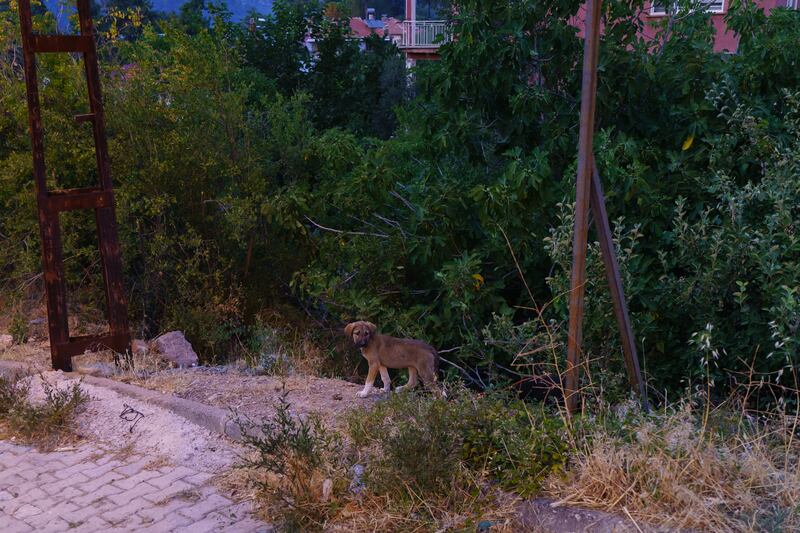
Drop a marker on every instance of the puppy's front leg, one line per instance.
(371, 375)
(387, 383)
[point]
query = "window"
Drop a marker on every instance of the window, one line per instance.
(712, 6)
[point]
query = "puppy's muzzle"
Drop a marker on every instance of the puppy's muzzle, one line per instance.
(362, 344)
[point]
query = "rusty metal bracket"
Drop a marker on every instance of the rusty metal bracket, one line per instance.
(50, 203)
(589, 194)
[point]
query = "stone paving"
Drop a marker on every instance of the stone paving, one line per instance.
(89, 488)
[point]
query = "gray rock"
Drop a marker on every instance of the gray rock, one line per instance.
(357, 481)
(139, 347)
(174, 347)
(101, 370)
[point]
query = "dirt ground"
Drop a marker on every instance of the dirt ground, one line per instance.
(230, 387)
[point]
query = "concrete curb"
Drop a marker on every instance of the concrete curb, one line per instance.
(10, 368)
(206, 416)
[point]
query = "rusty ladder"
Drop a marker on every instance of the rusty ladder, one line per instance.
(50, 203)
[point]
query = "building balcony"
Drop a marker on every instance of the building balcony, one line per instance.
(425, 34)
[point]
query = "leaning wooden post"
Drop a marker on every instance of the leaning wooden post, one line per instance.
(609, 254)
(582, 186)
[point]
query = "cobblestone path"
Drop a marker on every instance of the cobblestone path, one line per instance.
(89, 488)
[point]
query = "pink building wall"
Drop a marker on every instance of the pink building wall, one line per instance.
(724, 40)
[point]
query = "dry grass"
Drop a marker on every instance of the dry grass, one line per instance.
(313, 507)
(729, 475)
(36, 354)
(461, 510)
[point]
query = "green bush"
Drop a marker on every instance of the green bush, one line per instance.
(242, 189)
(518, 444)
(428, 445)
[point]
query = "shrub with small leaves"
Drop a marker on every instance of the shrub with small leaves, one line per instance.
(13, 392)
(297, 458)
(43, 423)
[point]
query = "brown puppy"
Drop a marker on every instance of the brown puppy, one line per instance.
(384, 352)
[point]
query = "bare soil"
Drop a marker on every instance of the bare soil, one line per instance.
(231, 387)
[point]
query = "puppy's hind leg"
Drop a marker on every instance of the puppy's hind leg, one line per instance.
(371, 375)
(387, 382)
(412, 380)
(429, 377)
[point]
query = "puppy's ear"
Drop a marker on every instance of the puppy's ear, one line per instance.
(348, 329)
(372, 327)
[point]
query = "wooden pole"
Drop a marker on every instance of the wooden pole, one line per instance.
(589, 194)
(582, 186)
(601, 223)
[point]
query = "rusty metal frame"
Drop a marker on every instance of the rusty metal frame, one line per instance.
(100, 198)
(589, 195)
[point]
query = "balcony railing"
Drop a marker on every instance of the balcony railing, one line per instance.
(425, 33)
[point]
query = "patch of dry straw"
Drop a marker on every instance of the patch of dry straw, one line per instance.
(678, 473)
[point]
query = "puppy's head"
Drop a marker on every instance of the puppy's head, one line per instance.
(360, 332)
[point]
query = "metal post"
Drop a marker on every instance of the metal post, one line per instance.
(583, 185)
(601, 223)
(589, 193)
(99, 198)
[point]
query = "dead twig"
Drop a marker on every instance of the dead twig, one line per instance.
(344, 232)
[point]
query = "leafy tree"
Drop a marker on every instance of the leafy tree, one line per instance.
(192, 16)
(276, 46)
(122, 19)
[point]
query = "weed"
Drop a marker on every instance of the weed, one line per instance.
(424, 444)
(19, 328)
(13, 393)
(297, 457)
(45, 424)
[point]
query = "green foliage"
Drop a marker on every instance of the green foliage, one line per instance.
(423, 444)
(19, 328)
(287, 439)
(349, 88)
(736, 262)
(518, 444)
(416, 442)
(13, 393)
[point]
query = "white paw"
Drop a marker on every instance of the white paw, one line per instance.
(363, 394)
